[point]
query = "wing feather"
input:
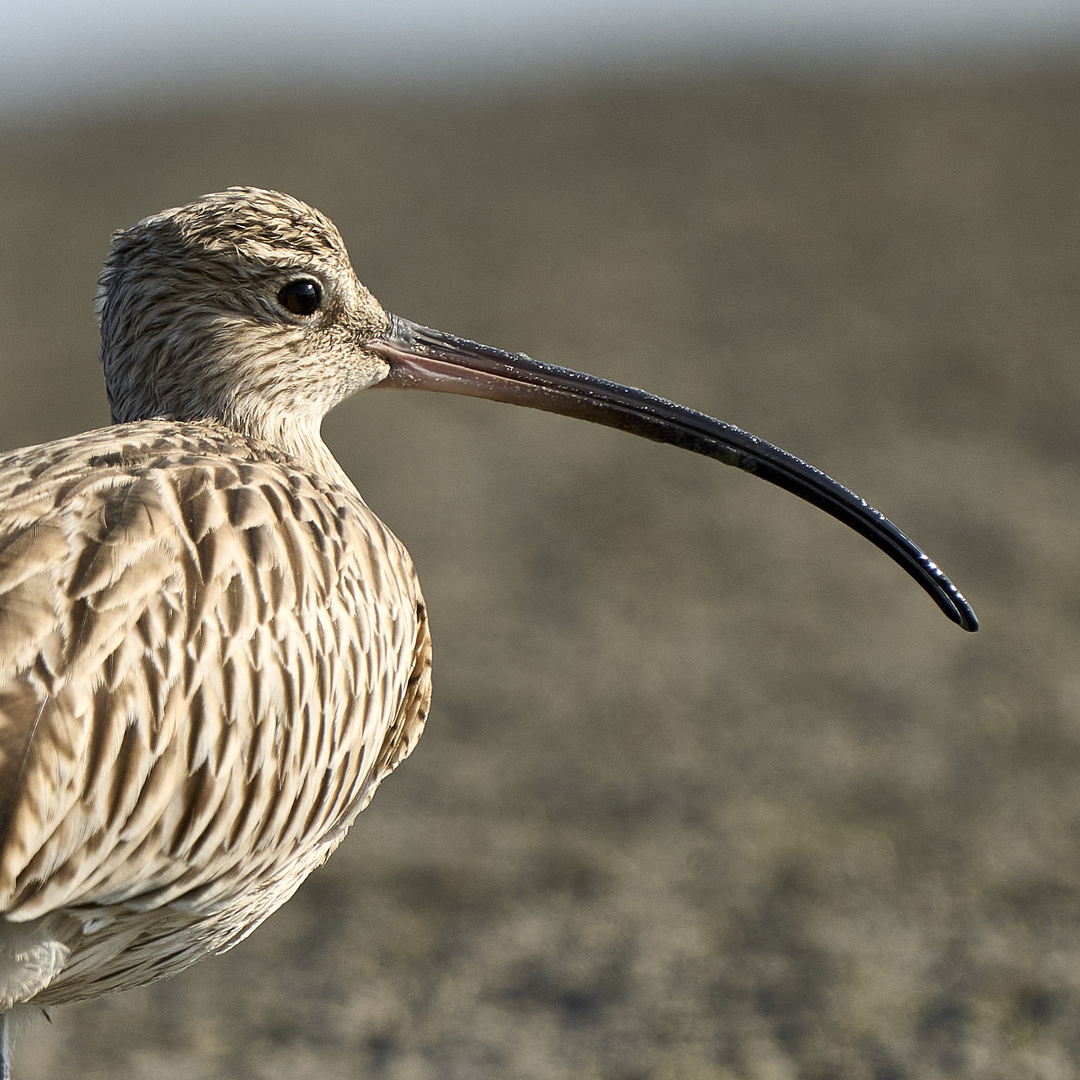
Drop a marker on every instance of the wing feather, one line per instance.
(208, 661)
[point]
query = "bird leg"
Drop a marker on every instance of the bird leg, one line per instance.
(5, 1048)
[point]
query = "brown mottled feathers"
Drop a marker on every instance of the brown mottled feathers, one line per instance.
(210, 655)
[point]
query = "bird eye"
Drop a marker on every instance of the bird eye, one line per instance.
(301, 297)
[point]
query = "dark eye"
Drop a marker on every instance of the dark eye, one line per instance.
(301, 297)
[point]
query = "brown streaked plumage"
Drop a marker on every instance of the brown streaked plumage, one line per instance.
(240, 656)
(211, 651)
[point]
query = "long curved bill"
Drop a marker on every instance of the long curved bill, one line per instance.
(425, 359)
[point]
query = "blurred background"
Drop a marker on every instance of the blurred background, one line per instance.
(710, 789)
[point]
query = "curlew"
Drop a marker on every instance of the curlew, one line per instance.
(211, 650)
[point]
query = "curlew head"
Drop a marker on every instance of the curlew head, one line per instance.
(243, 308)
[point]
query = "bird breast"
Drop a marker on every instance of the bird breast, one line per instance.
(209, 658)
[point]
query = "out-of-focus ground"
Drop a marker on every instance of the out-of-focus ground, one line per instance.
(710, 789)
